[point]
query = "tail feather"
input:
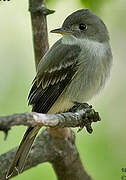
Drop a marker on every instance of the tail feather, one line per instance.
(23, 151)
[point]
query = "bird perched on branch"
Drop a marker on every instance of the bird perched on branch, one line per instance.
(74, 69)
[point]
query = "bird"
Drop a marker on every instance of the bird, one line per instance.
(74, 69)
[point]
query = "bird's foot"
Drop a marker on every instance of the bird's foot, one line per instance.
(88, 117)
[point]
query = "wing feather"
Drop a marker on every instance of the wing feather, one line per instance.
(54, 73)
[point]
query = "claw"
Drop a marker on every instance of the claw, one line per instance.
(89, 117)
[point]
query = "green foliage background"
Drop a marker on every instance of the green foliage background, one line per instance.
(103, 152)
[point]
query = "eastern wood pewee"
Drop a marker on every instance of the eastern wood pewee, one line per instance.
(74, 69)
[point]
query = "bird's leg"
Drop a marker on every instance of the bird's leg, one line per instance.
(89, 116)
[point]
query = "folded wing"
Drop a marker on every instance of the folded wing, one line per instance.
(54, 73)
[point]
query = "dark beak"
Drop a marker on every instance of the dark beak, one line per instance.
(61, 31)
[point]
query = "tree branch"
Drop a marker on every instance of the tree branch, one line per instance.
(61, 152)
(49, 149)
(83, 116)
(39, 27)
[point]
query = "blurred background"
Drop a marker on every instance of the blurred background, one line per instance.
(103, 152)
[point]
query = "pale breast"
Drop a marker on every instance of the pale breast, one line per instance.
(94, 68)
(94, 64)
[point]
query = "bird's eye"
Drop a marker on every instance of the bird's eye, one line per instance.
(82, 27)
